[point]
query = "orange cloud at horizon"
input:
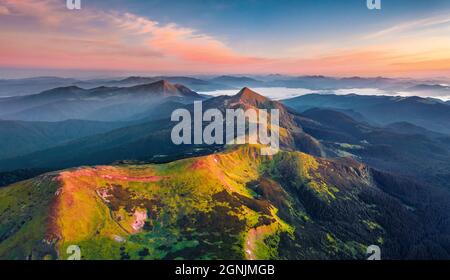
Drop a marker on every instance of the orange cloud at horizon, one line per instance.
(46, 35)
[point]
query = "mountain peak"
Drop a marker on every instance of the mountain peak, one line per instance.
(164, 88)
(251, 99)
(164, 84)
(247, 95)
(160, 86)
(71, 87)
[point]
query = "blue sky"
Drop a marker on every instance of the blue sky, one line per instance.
(341, 38)
(253, 22)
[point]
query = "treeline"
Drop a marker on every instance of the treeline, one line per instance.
(8, 178)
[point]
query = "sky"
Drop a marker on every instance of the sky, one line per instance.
(406, 38)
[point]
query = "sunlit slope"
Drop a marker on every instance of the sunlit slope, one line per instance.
(232, 205)
(25, 212)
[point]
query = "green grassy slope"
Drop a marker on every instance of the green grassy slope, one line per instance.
(231, 205)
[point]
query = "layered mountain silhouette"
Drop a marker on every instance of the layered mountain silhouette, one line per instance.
(382, 110)
(240, 81)
(18, 87)
(102, 103)
(193, 83)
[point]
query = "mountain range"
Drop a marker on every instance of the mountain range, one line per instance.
(381, 110)
(100, 103)
(436, 88)
(346, 178)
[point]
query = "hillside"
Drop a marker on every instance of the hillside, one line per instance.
(20, 138)
(247, 206)
(423, 154)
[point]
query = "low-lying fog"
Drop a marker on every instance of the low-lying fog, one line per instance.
(279, 93)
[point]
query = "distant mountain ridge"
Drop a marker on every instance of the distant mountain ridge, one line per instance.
(100, 104)
(193, 83)
(432, 90)
(238, 81)
(29, 86)
(382, 110)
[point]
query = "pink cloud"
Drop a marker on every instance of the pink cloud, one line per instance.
(107, 39)
(4, 10)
